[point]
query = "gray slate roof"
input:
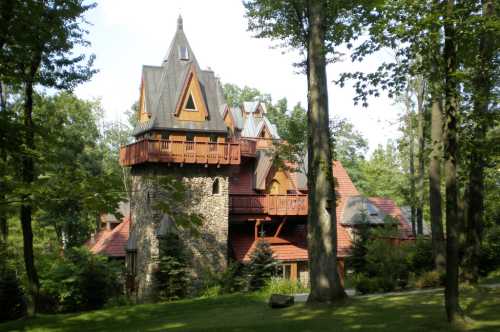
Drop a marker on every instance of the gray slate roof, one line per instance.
(163, 87)
(359, 209)
(253, 125)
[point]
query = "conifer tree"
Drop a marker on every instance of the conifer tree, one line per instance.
(261, 267)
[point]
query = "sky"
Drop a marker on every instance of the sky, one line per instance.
(127, 34)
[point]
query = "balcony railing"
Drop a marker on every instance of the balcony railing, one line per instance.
(248, 147)
(169, 151)
(277, 205)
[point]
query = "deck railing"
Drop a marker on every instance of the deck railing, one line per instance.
(248, 147)
(170, 151)
(277, 205)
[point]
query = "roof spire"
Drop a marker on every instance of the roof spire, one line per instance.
(179, 22)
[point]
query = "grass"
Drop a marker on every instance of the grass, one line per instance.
(417, 312)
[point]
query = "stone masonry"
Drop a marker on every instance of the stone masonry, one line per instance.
(209, 250)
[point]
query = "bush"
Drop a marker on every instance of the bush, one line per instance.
(420, 256)
(357, 259)
(490, 251)
(171, 276)
(277, 285)
(231, 280)
(12, 299)
(430, 279)
(387, 263)
(261, 267)
(81, 281)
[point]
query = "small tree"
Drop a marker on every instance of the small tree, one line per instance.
(357, 260)
(261, 267)
(172, 274)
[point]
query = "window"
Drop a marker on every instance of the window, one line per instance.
(189, 137)
(183, 53)
(216, 187)
(190, 106)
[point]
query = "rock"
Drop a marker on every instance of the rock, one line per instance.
(280, 301)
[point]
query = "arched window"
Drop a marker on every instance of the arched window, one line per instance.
(216, 187)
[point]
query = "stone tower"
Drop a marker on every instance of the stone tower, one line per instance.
(180, 133)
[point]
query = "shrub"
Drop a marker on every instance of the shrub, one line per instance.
(429, 279)
(261, 267)
(419, 256)
(81, 281)
(387, 262)
(490, 251)
(277, 285)
(12, 299)
(364, 284)
(171, 276)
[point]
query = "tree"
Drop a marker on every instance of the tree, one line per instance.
(261, 267)
(482, 86)
(314, 28)
(451, 108)
(38, 49)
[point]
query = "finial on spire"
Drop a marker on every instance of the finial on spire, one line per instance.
(179, 22)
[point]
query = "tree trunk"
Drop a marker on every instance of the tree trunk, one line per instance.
(450, 156)
(421, 155)
(482, 86)
(438, 244)
(322, 221)
(28, 176)
(413, 191)
(4, 227)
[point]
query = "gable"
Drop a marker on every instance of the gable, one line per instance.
(191, 104)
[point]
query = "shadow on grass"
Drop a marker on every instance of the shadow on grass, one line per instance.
(416, 312)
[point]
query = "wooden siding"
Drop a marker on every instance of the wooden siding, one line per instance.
(275, 205)
(169, 151)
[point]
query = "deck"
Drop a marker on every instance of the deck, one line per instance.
(274, 205)
(170, 151)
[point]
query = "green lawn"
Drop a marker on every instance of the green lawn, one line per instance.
(419, 312)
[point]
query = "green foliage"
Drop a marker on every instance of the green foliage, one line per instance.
(81, 281)
(12, 299)
(261, 267)
(356, 261)
(490, 251)
(383, 175)
(235, 96)
(284, 286)
(419, 255)
(171, 276)
(429, 279)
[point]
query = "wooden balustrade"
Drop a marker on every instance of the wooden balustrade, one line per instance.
(277, 205)
(169, 151)
(248, 147)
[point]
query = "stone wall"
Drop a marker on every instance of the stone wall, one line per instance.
(208, 251)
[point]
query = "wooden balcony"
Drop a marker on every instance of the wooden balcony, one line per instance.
(274, 205)
(248, 147)
(169, 151)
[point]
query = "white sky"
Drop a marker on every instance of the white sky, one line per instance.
(126, 34)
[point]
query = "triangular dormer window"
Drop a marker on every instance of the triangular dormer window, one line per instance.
(191, 104)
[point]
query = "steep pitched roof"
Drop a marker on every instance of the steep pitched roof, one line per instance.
(163, 86)
(389, 207)
(111, 242)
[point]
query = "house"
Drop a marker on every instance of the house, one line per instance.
(112, 237)
(224, 154)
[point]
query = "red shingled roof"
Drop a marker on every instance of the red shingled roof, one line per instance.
(389, 207)
(111, 242)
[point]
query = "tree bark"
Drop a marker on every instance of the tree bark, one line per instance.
(28, 176)
(450, 156)
(4, 226)
(322, 221)
(421, 155)
(482, 86)
(438, 243)
(413, 191)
